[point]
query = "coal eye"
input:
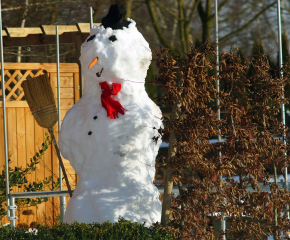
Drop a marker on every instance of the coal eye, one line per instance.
(91, 38)
(113, 38)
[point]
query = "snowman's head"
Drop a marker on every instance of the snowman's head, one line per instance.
(121, 54)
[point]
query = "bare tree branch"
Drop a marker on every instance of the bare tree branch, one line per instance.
(238, 14)
(165, 8)
(193, 10)
(247, 24)
(157, 28)
(38, 4)
(222, 4)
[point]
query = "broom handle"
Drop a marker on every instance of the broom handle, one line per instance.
(60, 160)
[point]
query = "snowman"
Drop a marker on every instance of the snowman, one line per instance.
(110, 136)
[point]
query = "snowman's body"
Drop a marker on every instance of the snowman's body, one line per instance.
(114, 158)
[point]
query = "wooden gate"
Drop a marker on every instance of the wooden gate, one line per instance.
(25, 136)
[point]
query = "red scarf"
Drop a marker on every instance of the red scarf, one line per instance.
(113, 107)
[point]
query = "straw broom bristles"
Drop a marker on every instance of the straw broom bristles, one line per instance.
(40, 98)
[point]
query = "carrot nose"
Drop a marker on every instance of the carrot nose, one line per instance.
(93, 62)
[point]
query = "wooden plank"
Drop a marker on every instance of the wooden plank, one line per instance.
(62, 114)
(2, 153)
(48, 161)
(21, 150)
(56, 209)
(21, 133)
(55, 170)
(50, 29)
(67, 74)
(66, 104)
(12, 138)
(39, 137)
(21, 145)
(54, 163)
(50, 67)
(15, 104)
(66, 93)
(70, 174)
(65, 82)
(48, 173)
(53, 82)
(4, 33)
(77, 87)
(42, 39)
(22, 32)
(45, 163)
(85, 27)
(30, 149)
(48, 217)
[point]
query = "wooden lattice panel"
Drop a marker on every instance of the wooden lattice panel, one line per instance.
(13, 80)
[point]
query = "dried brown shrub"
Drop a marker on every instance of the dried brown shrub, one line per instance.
(249, 122)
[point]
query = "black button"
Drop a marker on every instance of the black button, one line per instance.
(113, 38)
(90, 132)
(95, 117)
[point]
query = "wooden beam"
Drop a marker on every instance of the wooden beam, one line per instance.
(50, 29)
(45, 34)
(22, 32)
(78, 43)
(41, 39)
(63, 67)
(77, 87)
(15, 104)
(85, 27)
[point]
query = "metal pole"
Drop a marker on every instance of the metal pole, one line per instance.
(217, 66)
(91, 17)
(12, 206)
(282, 95)
(41, 194)
(62, 198)
(4, 118)
(223, 223)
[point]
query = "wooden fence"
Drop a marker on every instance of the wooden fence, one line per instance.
(25, 136)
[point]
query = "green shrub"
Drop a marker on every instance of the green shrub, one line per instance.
(122, 230)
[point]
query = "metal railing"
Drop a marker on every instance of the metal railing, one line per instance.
(43, 194)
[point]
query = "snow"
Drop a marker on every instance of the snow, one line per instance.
(114, 158)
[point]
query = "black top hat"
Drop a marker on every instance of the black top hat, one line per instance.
(115, 17)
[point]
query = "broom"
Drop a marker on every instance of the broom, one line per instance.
(40, 98)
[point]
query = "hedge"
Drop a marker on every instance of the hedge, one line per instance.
(122, 230)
